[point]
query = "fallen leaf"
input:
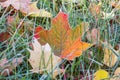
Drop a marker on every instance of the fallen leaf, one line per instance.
(117, 71)
(75, 50)
(42, 59)
(26, 7)
(4, 36)
(108, 15)
(95, 9)
(116, 74)
(17, 4)
(93, 35)
(7, 67)
(10, 19)
(15, 22)
(62, 38)
(109, 57)
(101, 74)
(115, 4)
(33, 11)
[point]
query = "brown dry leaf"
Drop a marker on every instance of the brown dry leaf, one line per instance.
(26, 7)
(16, 4)
(93, 35)
(115, 4)
(42, 59)
(109, 57)
(4, 36)
(117, 71)
(6, 68)
(13, 21)
(116, 75)
(95, 9)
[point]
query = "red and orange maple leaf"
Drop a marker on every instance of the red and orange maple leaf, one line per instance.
(65, 41)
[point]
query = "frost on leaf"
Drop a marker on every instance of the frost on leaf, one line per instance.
(43, 60)
(65, 41)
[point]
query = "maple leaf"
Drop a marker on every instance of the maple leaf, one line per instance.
(65, 41)
(7, 67)
(26, 7)
(42, 59)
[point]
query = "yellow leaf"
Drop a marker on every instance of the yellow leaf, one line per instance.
(101, 74)
(43, 60)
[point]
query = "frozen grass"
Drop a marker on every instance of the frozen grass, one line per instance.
(84, 66)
